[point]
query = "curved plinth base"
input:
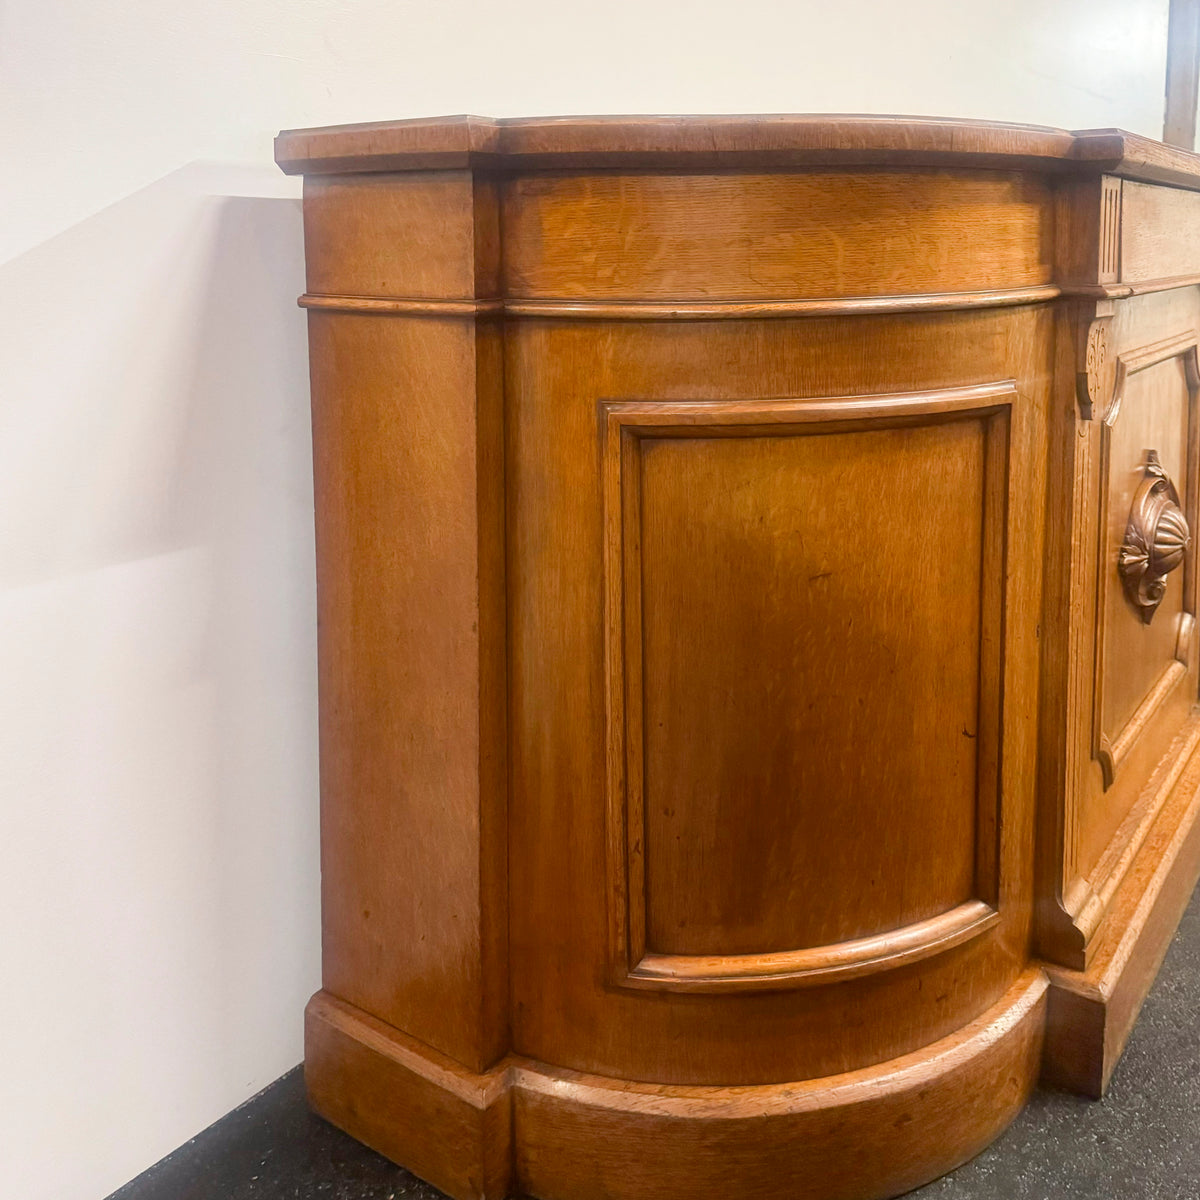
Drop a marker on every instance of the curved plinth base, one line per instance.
(527, 1128)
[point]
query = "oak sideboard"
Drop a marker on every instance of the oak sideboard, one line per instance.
(757, 649)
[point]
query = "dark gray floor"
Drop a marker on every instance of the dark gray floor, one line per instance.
(1142, 1142)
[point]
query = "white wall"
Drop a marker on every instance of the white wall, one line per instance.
(158, 870)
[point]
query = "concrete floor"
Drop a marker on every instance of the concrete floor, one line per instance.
(1142, 1142)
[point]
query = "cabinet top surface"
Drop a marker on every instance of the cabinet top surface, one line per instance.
(775, 140)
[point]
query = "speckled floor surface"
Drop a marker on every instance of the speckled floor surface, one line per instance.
(1142, 1142)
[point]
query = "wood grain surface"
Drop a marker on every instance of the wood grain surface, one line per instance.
(750, 236)
(731, 709)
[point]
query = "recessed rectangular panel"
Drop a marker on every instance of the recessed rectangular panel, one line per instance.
(1154, 415)
(1145, 654)
(810, 611)
(1148, 250)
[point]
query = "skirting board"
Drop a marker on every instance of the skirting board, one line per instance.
(1091, 1013)
(525, 1127)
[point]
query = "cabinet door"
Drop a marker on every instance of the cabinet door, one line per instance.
(1147, 579)
(778, 582)
(1132, 658)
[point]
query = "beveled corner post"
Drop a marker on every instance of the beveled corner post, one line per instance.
(408, 428)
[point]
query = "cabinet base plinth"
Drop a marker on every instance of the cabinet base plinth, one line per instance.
(532, 1129)
(1091, 1013)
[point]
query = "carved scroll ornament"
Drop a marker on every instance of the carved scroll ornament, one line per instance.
(1156, 539)
(1095, 383)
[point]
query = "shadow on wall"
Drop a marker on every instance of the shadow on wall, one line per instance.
(158, 843)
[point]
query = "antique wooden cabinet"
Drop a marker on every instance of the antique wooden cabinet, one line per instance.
(758, 660)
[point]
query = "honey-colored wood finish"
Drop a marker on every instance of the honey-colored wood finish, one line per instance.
(757, 654)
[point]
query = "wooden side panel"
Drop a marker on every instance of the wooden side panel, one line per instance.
(1119, 689)
(1144, 681)
(409, 477)
(735, 237)
(409, 466)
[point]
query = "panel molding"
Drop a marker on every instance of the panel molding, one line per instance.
(681, 309)
(820, 964)
(624, 423)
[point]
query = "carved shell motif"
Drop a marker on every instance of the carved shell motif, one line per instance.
(1157, 539)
